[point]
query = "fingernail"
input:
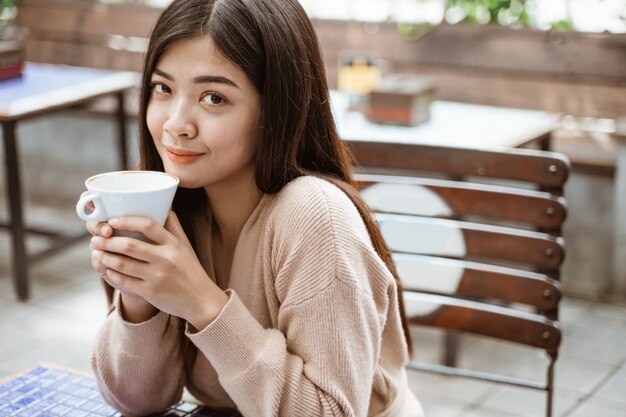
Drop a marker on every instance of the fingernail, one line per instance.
(96, 240)
(96, 253)
(104, 229)
(112, 222)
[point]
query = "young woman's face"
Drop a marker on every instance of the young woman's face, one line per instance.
(203, 115)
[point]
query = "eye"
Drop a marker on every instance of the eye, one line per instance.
(160, 88)
(213, 99)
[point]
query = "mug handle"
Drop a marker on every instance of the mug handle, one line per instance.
(97, 215)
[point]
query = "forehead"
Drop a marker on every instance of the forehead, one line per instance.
(197, 56)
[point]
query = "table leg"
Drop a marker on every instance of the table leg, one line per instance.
(544, 142)
(121, 126)
(16, 222)
(618, 285)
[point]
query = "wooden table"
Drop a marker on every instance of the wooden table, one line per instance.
(42, 90)
(453, 124)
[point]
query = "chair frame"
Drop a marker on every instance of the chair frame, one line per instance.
(524, 210)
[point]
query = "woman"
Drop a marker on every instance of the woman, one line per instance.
(269, 290)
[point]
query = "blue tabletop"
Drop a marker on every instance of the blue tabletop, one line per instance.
(40, 79)
(48, 392)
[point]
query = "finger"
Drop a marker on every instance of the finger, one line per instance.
(128, 246)
(120, 263)
(148, 227)
(99, 228)
(173, 225)
(122, 282)
(97, 266)
(90, 204)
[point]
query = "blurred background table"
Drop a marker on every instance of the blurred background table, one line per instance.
(453, 124)
(42, 90)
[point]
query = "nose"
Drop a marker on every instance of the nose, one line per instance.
(180, 124)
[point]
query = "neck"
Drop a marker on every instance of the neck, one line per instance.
(231, 204)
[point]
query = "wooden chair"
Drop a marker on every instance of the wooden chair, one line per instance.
(474, 256)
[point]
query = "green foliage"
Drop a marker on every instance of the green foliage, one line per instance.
(564, 25)
(7, 13)
(512, 13)
(503, 12)
(414, 31)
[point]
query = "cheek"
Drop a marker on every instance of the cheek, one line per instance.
(246, 141)
(236, 134)
(152, 120)
(252, 131)
(156, 117)
(254, 141)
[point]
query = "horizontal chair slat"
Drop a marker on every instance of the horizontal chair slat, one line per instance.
(481, 318)
(478, 375)
(546, 169)
(459, 239)
(495, 203)
(467, 279)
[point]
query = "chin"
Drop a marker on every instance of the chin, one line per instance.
(187, 180)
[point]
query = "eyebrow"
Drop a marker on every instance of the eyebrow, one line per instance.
(201, 79)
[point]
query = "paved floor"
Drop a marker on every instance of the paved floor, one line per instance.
(58, 324)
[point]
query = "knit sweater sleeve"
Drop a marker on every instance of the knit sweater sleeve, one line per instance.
(130, 362)
(333, 290)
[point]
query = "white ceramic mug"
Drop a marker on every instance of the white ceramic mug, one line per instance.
(128, 193)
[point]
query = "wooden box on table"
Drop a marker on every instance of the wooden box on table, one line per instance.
(401, 99)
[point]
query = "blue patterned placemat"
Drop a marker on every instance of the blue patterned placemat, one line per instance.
(46, 392)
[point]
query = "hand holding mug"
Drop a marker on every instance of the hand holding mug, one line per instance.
(125, 193)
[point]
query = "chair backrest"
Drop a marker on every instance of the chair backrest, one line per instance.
(476, 237)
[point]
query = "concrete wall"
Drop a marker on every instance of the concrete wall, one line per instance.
(588, 234)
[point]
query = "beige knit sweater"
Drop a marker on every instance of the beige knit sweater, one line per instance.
(311, 328)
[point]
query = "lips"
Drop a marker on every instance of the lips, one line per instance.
(182, 156)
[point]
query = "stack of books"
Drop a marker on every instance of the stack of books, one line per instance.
(11, 58)
(401, 99)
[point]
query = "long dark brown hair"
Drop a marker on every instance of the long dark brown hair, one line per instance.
(274, 43)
